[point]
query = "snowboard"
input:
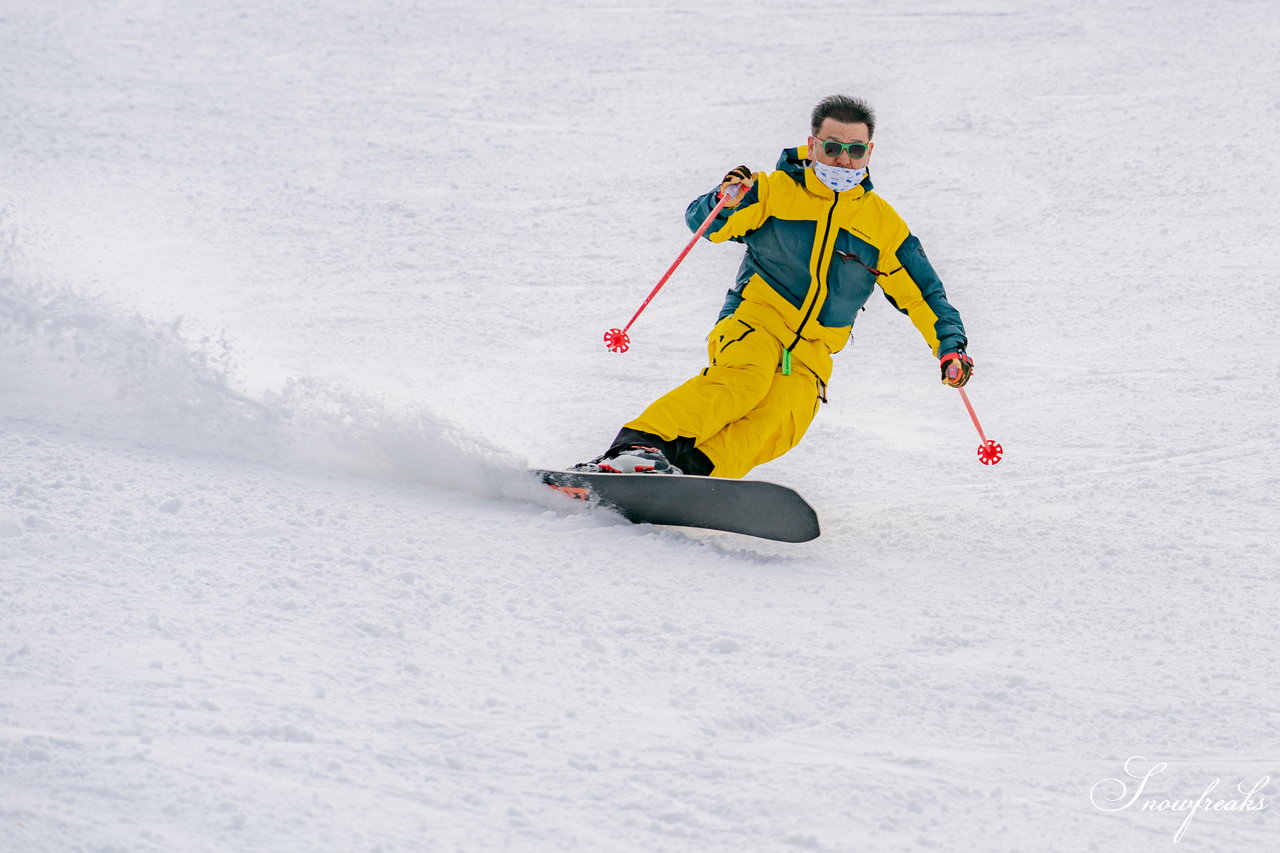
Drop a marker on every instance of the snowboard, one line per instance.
(751, 507)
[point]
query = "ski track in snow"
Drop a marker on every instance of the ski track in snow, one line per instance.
(291, 296)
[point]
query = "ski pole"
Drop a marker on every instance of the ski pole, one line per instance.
(989, 453)
(617, 340)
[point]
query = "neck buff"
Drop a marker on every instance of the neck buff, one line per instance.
(837, 178)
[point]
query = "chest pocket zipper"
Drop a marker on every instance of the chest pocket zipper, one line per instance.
(850, 256)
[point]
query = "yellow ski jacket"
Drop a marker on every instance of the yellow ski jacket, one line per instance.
(813, 258)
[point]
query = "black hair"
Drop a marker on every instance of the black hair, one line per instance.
(843, 108)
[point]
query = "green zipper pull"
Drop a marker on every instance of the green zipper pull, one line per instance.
(786, 362)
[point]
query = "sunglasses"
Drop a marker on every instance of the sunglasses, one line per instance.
(857, 150)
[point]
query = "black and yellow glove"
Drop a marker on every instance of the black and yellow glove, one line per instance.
(740, 175)
(957, 367)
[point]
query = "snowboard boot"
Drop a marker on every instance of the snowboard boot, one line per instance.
(635, 459)
(680, 452)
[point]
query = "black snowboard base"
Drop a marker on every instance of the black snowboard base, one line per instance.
(751, 507)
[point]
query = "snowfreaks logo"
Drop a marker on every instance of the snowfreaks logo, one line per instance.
(1112, 795)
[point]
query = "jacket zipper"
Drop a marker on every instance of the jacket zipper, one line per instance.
(826, 235)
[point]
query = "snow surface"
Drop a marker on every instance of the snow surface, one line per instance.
(291, 293)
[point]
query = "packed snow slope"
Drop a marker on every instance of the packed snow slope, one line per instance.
(292, 293)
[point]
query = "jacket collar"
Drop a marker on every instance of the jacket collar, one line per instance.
(795, 162)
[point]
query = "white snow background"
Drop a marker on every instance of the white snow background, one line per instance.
(291, 293)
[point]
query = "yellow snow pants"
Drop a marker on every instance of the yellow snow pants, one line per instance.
(741, 410)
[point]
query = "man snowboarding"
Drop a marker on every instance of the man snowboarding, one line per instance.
(818, 240)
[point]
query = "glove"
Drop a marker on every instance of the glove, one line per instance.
(740, 175)
(957, 367)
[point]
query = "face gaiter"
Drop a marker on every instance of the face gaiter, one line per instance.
(837, 178)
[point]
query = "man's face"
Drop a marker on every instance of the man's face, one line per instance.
(838, 131)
